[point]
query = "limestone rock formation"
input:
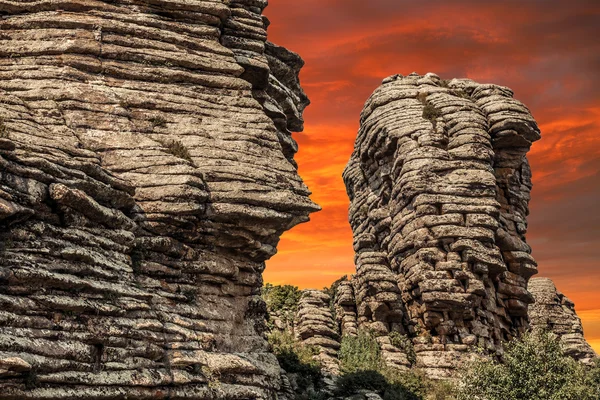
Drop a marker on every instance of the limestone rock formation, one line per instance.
(345, 309)
(316, 327)
(553, 311)
(439, 186)
(146, 174)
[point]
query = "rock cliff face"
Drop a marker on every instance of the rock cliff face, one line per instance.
(439, 187)
(146, 175)
(554, 311)
(316, 327)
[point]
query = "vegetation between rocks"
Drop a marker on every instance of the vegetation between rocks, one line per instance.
(176, 148)
(298, 361)
(534, 368)
(363, 368)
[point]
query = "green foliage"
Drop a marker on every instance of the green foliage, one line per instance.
(363, 368)
(296, 358)
(392, 385)
(593, 378)
(431, 113)
(360, 353)
(404, 343)
(280, 298)
(350, 383)
(534, 368)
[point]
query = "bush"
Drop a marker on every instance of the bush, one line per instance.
(280, 298)
(404, 343)
(296, 358)
(360, 353)
(350, 383)
(534, 368)
(363, 368)
(430, 112)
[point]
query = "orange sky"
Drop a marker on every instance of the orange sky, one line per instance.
(548, 52)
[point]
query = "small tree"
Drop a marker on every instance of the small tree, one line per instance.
(534, 368)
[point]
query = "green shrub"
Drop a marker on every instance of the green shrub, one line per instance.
(431, 113)
(593, 378)
(404, 343)
(363, 368)
(278, 298)
(534, 368)
(360, 353)
(350, 383)
(296, 358)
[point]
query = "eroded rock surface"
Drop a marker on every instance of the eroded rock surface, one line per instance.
(146, 175)
(553, 311)
(316, 327)
(439, 186)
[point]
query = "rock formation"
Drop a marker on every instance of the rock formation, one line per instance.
(146, 175)
(316, 327)
(439, 187)
(553, 311)
(345, 309)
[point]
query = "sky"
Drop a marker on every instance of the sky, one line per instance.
(548, 52)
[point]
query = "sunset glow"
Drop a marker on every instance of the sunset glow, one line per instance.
(547, 52)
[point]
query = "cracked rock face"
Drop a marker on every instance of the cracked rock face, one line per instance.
(439, 186)
(553, 311)
(146, 174)
(315, 326)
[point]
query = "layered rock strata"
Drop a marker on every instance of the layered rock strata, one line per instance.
(439, 186)
(315, 327)
(345, 309)
(146, 174)
(554, 312)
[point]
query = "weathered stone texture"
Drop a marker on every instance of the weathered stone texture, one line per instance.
(146, 174)
(315, 326)
(554, 312)
(439, 187)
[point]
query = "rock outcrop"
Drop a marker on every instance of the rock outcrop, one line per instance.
(316, 327)
(554, 312)
(146, 174)
(345, 309)
(439, 186)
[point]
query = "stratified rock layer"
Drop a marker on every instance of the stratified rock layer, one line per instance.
(146, 173)
(554, 312)
(316, 327)
(439, 187)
